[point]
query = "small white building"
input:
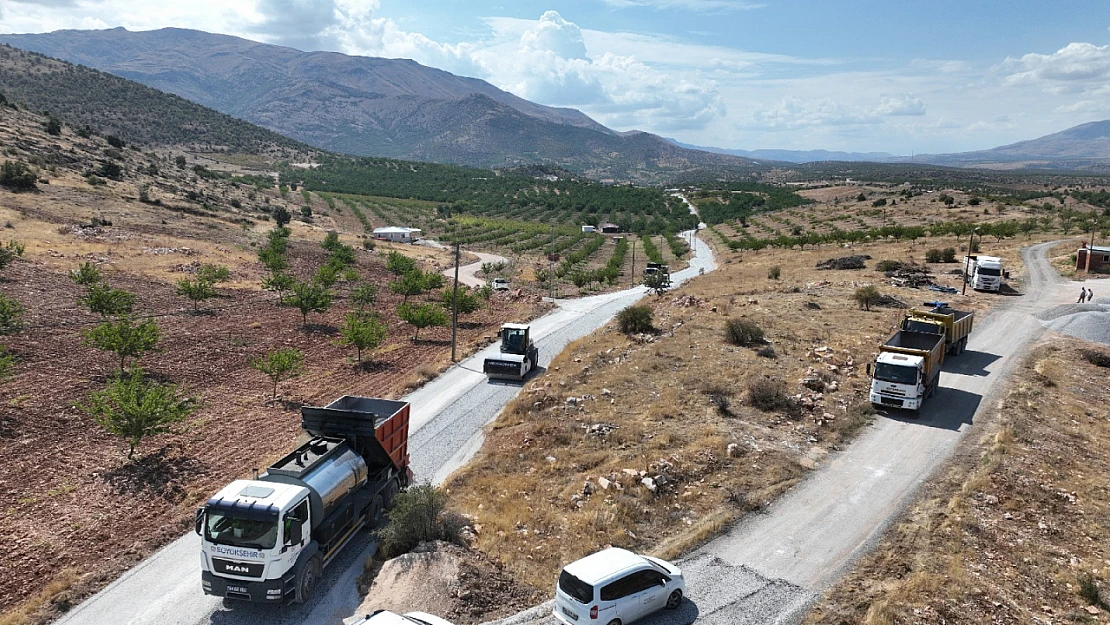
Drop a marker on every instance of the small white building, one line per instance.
(398, 234)
(589, 229)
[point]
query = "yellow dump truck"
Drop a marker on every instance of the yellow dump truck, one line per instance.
(955, 323)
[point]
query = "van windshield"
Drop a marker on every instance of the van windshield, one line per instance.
(896, 373)
(577, 589)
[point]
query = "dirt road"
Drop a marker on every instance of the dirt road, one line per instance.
(770, 567)
(447, 417)
(468, 274)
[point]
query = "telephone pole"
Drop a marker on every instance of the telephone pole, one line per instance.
(455, 304)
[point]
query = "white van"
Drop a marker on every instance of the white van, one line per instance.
(616, 587)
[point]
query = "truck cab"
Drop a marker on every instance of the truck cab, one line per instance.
(985, 273)
(252, 536)
(898, 380)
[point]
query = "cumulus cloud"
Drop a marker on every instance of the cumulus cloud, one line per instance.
(1074, 63)
(904, 104)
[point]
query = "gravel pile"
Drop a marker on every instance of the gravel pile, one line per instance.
(1089, 321)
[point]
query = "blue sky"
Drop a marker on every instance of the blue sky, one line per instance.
(900, 77)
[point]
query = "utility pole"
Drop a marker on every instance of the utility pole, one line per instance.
(633, 281)
(551, 263)
(455, 304)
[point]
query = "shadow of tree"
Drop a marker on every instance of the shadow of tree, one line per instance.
(165, 473)
(375, 366)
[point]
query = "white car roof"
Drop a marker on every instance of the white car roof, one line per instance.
(604, 564)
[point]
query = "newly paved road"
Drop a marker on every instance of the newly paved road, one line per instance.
(447, 418)
(771, 566)
(468, 274)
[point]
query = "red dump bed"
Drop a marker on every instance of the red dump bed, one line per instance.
(377, 428)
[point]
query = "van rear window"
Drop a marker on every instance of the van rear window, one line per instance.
(579, 590)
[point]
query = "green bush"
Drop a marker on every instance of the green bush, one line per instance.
(934, 256)
(17, 176)
(774, 272)
(419, 514)
(635, 320)
(866, 296)
(890, 265)
(1096, 358)
(743, 333)
(948, 255)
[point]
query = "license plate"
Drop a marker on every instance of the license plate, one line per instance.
(892, 402)
(241, 589)
(570, 613)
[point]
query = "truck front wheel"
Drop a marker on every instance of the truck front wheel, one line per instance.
(306, 581)
(374, 518)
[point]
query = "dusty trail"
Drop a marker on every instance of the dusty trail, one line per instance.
(447, 418)
(770, 567)
(468, 274)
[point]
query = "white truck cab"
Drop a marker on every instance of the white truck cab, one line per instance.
(985, 273)
(898, 380)
(252, 535)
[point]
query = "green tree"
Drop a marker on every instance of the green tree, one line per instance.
(422, 316)
(309, 297)
(7, 364)
(399, 264)
(213, 274)
(18, 176)
(179, 160)
(196, 290)
(278, 365)
(327, 275)
(124, 338)
(103, 300)
(658, 282)
(409, 284)
(866, 296)
(467, 301)
(364, 295)
(53, 126)
(86, 275)
(279, 282)
(11, 315)
(9, 252)
(133, 408)
(281, 216)
(363, 331)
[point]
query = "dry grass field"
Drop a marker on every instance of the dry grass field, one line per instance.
(562, 472)
(1017, 528)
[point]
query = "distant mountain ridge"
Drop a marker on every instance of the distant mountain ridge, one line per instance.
(1068, 148)
(796, 156)
(371, 106)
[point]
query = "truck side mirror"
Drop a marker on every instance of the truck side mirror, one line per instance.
(295, 532)
(868, 368)
(198, 521)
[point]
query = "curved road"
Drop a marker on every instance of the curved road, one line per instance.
(447, 419)
(468, 274)
(772, 566)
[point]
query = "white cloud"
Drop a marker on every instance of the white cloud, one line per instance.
(1074, 63)
(687, 5)
(904, 104)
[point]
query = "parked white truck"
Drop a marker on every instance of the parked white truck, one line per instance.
(268, 539)
(984, 273)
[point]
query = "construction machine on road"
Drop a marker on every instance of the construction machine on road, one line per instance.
(518, 356)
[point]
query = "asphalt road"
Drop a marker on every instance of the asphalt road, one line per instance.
(771, 566)
(447, 417)
(468, 274)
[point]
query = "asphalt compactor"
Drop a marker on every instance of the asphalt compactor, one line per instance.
(518, 356)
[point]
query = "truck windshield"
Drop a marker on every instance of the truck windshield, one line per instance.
(989, 271)
(237, 532)
(896, 374)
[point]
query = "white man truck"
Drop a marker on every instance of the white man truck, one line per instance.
(267, 539)
(907, 369)
(984, 273)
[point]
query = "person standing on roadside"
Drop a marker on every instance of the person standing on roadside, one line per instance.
(1090, 294)
(1082, 294)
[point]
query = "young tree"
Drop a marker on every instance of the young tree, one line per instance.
(422, 316)
(279, 365)
(11, 315)
(213, 274)
(53, 126)
(10, 252)
(467, 301)
(409, 284)
(196, 290)
(363, 331)
(657, 282)
(281, 216)
(18, 176)
(134, 408)
(399, 264)
(103, 300)
(7, 363)
(364, 295)
(309, 297)
(327, 275)
(124, 338)
(278, 282)
(86, 275)
(866, 296)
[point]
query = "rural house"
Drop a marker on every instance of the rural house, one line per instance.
(398, 234)
(1094, 258)
(608, 228)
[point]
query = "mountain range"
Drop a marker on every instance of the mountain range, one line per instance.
(371, 106)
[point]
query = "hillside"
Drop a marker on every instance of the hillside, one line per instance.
(371, 106)
(110, 105)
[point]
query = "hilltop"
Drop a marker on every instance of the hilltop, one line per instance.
(374, 107)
